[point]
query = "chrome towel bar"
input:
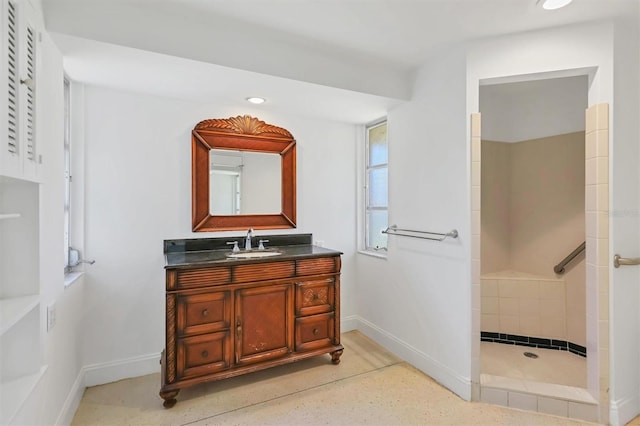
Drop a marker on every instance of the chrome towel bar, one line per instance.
(437, 236)
(621, 261)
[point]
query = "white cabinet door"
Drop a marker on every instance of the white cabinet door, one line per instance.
(19, 156)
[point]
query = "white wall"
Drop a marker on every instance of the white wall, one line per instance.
(138, 180)
(625, 223)
(417, 301)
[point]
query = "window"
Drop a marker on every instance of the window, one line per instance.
(376, 186)
(225, 179)
(67, 174)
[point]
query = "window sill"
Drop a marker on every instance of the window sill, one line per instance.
(71, 277)
(373, 254)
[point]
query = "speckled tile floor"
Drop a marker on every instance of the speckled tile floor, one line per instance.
(634, 422)
(370, 386)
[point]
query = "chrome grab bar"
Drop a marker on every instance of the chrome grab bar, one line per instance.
(622, 261)
(559, 268)
(394, 230)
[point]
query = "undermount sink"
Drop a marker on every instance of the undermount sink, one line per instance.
(252, 254)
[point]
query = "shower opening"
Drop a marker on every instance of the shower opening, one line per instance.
(532, 216)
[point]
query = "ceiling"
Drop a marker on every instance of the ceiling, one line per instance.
(346, 60)
(521, 111)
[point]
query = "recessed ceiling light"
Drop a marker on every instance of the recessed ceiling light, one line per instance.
(554, 4)
(256, 100)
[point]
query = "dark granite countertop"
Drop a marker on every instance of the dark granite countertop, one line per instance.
(213, 251)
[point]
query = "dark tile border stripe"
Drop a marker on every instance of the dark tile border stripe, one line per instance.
(533, 342)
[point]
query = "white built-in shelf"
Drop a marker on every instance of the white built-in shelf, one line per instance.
(9, 215)
(13, 309)
(15, 393)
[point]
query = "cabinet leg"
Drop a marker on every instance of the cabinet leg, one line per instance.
(335, 356)
(169, 398)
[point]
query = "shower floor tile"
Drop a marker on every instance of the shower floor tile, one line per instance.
(551, 366)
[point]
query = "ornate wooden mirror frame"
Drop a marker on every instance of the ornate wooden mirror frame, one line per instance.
(243, 133)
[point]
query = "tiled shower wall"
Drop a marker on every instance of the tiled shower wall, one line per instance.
(533, 215)
(597, 224)
(533, 196)
(522, 305)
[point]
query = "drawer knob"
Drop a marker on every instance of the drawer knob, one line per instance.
(315, 331)
(205, 312)
(315, 296)
(204, 354)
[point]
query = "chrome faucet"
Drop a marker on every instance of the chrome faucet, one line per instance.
(247, 243)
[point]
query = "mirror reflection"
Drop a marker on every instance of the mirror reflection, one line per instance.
(244, 182)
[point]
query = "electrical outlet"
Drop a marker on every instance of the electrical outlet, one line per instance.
(51, 316)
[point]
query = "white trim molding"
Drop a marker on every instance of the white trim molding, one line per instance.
(107, 372)
(442, 374)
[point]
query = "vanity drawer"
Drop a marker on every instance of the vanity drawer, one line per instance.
(263, 271)
(200, 277)
(314, 331)
(321, 265)
(205, 354)
(203, 313)
(315, 297)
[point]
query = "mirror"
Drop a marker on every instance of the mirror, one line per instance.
(244, 182)
(243, 175)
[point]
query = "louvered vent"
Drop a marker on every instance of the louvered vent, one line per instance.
(31, 94)
(13, 79)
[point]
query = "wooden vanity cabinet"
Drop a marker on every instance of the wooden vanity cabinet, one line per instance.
(223, 321)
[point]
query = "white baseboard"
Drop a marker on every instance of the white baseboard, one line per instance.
(624, 410)
(70, 406)
(441, 373)
(349, 323)
(108, 372)
(99, 374)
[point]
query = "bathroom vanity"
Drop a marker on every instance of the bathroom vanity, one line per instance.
(227, 316)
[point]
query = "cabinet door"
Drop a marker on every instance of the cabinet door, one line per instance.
(264, 323)
(19, 156)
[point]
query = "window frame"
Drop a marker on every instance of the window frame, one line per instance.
(67, 175)
(367, 208)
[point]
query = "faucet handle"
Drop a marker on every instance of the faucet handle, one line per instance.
(235, 248)
(261, 245)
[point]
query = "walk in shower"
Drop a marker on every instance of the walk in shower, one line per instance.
(532, 217)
